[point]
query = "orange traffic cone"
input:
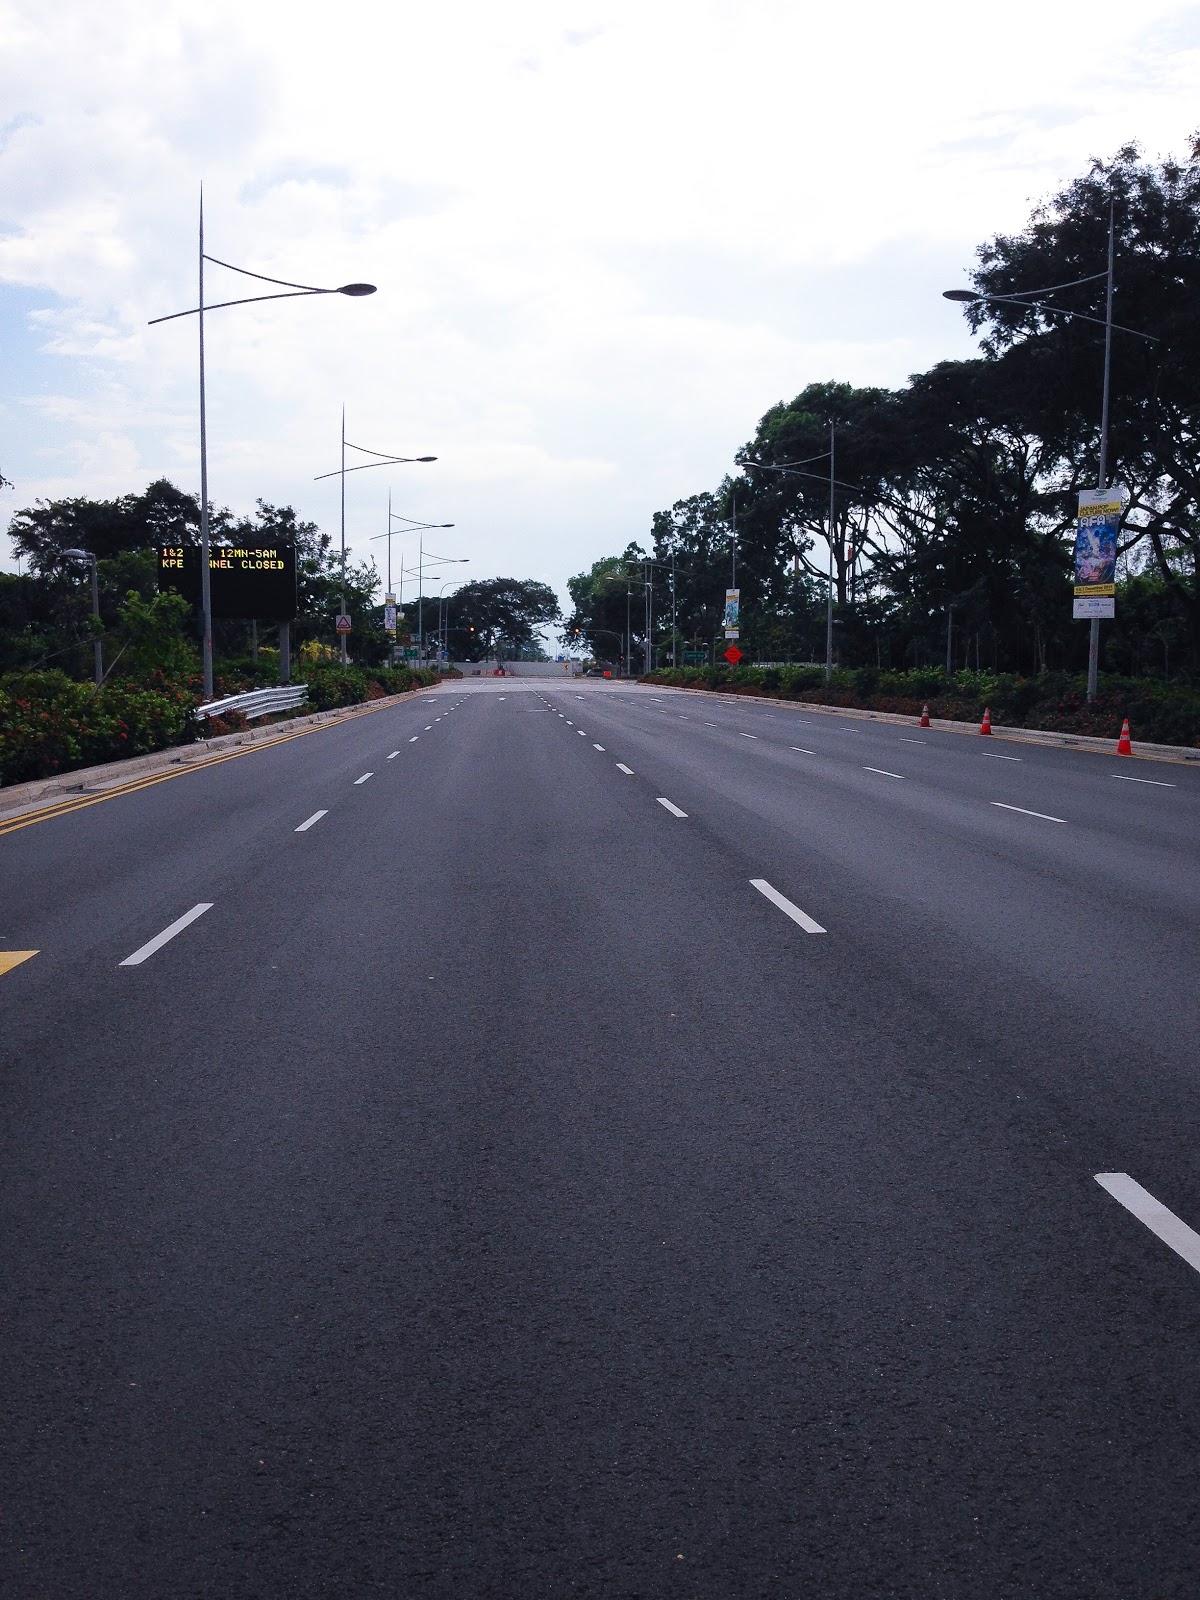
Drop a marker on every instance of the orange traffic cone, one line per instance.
(924, 723)
(986, 725)
(1124, 748)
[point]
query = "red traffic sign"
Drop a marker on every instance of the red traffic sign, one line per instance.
(343, 624)
(733, 654)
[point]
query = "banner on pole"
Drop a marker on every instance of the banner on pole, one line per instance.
(389, 614)
(1096, 531)
(732, 606)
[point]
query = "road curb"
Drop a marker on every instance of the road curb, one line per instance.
(21, 798)
(1179, 754)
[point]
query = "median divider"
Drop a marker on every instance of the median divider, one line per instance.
(21, 798)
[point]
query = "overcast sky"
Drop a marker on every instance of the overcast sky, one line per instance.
(607, 235)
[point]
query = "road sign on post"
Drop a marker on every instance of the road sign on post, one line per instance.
(733, 655)
(343, 623)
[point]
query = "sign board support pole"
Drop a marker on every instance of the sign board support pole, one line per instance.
(1094, 629)
(285, 652)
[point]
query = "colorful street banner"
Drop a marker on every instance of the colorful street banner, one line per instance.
(1096, 540)
(733, 599)
(389, 614)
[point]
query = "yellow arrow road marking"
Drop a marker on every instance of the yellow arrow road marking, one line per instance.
(13, 958)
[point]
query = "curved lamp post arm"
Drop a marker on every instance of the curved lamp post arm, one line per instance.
(388, 461)
(970, 297)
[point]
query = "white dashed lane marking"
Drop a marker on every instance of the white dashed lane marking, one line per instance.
(363, 779)
(143, 952)
(674, 810)
(1172, 1230)
(1042, 814)
(801, 918)
(621, 767)
(882, 773)
(316, 817)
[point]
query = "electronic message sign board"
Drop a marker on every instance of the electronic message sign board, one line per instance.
(245, 580)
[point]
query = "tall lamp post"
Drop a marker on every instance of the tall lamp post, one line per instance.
(444, 628)
(294, 291)
(87, 555)
(409, 527)
(434, 561)
(792, 468)
(1023, 299)
(381, 460)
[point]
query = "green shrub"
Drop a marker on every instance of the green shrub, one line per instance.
(1159, 713)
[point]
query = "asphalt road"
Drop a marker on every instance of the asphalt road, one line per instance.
(501, 1188)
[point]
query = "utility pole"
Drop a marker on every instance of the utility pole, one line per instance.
(1094, 628)
(829, 596)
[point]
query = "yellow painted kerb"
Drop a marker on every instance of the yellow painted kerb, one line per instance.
(13, 958)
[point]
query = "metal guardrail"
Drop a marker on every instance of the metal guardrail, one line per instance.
(257, 702)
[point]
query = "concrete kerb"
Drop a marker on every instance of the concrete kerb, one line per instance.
(1071, 741)
(25, 797)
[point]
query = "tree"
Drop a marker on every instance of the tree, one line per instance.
(601, 597)
(1154, 433)
(489, 612)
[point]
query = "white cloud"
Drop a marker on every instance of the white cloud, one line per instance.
(607, 235)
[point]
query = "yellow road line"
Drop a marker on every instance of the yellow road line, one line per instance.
(13, 958)
(63, 808)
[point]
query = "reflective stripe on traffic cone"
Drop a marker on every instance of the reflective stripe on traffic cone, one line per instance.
(986, 725)
(1124, 748)
(924, 723)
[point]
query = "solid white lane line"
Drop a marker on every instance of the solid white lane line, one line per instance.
(599, 747)
(800, 752)
(363, 779)
(882, 773)
(160, 939)
(742, 735)
(674, 810)
(1123, 777)
(393, 755)
(621, 767)
(1172, 1230)
(316, 817)
(992, 756)
(1024, 813)
(786, 906)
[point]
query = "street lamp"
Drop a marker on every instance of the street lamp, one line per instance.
(294, 291)
(792, 468)
(381, 461)
(86, 555)
(1025, 302)
(444, 628)
(409, 527)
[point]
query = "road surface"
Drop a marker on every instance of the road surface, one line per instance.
(578, 1139)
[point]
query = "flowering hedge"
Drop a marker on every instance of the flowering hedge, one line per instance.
(51, 724)
(1159, 713)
